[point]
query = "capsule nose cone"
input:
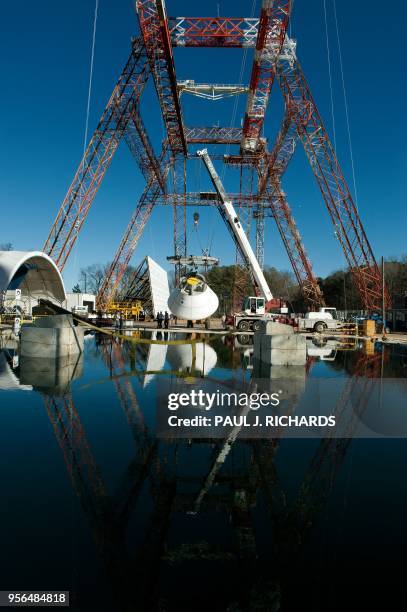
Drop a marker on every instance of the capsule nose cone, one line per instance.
(194, 305)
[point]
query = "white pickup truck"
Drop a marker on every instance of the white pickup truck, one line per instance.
(319, 321)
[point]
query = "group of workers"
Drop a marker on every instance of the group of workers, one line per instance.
(160, 318)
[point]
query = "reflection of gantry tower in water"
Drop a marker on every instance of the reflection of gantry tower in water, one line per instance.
(109, 513)
(225, 487)
(261, 170)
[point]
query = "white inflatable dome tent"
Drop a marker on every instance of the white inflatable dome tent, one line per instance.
(33, 272)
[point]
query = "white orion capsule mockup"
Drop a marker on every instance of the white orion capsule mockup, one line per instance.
(193, 299)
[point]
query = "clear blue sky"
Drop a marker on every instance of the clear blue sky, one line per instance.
(44, 60)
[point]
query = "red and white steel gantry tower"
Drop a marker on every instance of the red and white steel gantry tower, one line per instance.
(275, 59)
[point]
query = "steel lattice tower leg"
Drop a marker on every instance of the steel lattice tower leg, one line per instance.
(132, 235)
(242, 278)
(342, 209)
(180, 211)
(98, 155)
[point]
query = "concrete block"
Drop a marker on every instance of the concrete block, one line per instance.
(288, 343)
(51, 337)
(273, 327)
(54, 321)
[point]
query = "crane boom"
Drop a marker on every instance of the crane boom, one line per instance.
(235, 226)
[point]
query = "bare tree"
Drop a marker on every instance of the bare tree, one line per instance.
(6, 246)
(91, 278)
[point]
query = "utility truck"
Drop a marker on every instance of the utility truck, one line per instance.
(319, 321)
(255, 308)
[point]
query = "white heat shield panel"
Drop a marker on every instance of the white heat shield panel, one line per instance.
(160, 291)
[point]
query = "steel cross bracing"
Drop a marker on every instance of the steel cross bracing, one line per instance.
(277, 161)
(258, 215)
(241, 160)
(274, 18)
(97, 157)
(213, 135)
(132, 234)
(245, 203)
(140, 146)
(138, 287)
(245, 212)
(210, 91)
(213, 31)
(338, 199)
(273, 164)
(210, 198)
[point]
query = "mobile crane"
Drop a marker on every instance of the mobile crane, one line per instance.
(255, 308)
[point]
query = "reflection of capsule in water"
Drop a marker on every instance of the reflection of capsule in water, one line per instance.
(184, 358)
(193, 299)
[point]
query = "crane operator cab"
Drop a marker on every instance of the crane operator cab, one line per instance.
(254, 305)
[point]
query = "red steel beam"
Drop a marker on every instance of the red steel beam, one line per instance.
(283, 150)
(274, 18)
(154, 29)
(139, 144)
(97, 157)
(132, 235)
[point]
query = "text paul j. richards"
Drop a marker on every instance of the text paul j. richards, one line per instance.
(258, 421)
